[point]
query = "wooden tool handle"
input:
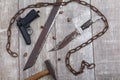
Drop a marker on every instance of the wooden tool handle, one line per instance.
(38, 75)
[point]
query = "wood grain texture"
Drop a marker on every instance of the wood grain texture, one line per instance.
(63, 28)
(9, 67)
(107, 48)
(44, 55)
(104, 51)
(38, 75)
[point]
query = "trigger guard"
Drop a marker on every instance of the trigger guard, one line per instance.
(30, 31)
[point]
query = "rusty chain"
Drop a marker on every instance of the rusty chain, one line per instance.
(83, 64)
(67, 60)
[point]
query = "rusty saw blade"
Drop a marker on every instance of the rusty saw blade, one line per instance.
(42, 38)
(73, 35)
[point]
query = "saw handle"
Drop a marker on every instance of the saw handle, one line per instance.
(38, 75)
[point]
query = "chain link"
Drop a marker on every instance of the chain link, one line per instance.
(83, 64)
(37, 5)
(67, 60)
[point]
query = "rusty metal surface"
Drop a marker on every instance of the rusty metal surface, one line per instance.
(71, 36)
(50, 69)
(42, 38)
(67, 61)
(65, 41)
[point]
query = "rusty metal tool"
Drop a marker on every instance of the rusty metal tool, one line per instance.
(73, 35)
(72, 51)
(49, 70)
(42, 38)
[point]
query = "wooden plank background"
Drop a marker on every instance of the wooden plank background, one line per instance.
(104, 52)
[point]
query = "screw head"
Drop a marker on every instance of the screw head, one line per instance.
(69, 19)
(42, 27)
(25, 54)
(59, 59)
(54, 38)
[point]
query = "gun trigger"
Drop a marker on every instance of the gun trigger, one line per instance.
(27, 26)
(30, 31)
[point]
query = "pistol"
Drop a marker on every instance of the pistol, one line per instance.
(24, 25)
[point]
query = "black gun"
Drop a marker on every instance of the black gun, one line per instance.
(24, 24)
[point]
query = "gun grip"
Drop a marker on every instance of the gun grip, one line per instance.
(25, 35)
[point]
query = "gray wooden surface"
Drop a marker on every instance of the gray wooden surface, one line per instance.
(104, 52)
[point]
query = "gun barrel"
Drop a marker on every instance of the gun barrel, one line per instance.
(32, 15)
